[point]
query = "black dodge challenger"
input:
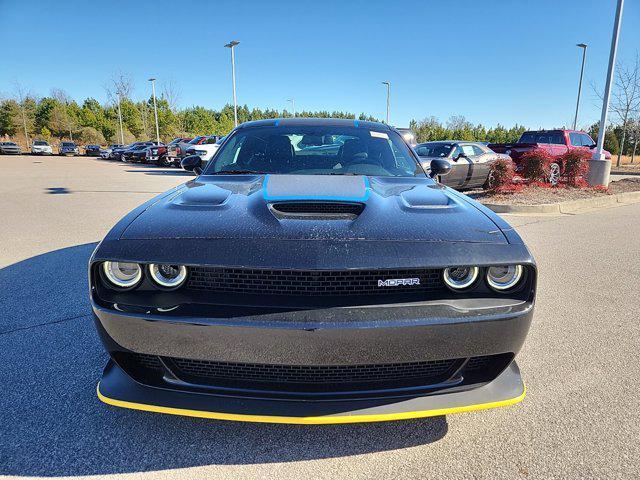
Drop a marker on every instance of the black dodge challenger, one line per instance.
(312, 273)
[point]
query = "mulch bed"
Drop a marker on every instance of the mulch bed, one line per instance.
(534, 195)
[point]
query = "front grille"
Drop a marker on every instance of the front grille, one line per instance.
(311, 374)
(313, 282)
(319, 208)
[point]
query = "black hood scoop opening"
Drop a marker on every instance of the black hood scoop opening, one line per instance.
(316, 210)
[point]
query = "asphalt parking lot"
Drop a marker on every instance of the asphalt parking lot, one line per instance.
(581, 417)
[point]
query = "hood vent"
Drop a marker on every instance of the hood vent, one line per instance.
(317, 210)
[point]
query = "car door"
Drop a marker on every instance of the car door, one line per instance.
(464, 164)
(481, 166)
(455, 177)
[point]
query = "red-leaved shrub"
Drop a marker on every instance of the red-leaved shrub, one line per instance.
(535, 165)
(576, 167)
(501, 176)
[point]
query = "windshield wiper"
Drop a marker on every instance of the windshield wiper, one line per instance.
(237, 172)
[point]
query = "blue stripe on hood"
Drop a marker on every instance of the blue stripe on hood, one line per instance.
(335, 188)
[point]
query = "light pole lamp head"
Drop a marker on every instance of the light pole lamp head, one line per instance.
(232, 44)
(581, 45)
(152, 79)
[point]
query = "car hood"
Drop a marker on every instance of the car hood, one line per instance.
(240, 207)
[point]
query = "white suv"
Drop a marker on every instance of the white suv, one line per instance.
(40, 147)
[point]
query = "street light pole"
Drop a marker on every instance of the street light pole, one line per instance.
(293, 105)
(120, 118)
(599, 167)
(388, 84)
(583, 46)
(231, 45)
(155, 107)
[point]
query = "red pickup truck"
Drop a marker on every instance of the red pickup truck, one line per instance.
(556, 142)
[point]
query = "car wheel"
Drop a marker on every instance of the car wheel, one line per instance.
(490, 182)
(554, 174)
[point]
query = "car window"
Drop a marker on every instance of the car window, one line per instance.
(434, 149)
(556, 138)
(587, 141)
(210, 141)
(316, 150)
(468, 150)
(575, 139)
(456, 152)
(478, 150)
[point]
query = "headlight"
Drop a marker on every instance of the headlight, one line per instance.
(504, 277)
(168, 276)
(459, 278)
(122, 274)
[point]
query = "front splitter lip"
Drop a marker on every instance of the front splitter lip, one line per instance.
(118, 389)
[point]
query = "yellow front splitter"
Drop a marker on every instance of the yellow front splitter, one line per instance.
(505, 390)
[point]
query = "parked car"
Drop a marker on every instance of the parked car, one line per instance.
(106, 152)
(139, 154)
(206, 150)
(177, 152)
(158, 154)
(41, 147)
(556, 142)
(68, 148)
(9, 148)
(296, 287)
(470, 162)
(136, 153)
(92, 150)
(117, 153)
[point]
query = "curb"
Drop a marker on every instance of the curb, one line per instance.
(613, 172)
(571, 206)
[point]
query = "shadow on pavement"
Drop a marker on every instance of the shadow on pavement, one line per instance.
(53, 424)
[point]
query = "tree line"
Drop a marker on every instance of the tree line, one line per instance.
(57, 117)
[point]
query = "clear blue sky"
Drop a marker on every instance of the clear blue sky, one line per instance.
(491, 61)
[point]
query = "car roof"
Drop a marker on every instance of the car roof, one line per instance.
(299, 121)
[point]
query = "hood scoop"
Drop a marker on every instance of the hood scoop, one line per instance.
(317, 210)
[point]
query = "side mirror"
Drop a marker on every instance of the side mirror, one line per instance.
(439, 167)
(460, 155)
(192, 163)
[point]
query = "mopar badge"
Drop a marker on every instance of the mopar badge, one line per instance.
(398, 282)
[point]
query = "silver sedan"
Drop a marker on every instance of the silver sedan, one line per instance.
(471, 162)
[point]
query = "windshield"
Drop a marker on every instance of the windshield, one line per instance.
(39, 142)
(315, 150)
(434, 149)
(68, 144)
(195, 140)
(542, 137)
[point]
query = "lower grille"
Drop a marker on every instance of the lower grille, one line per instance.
(312, 378)
(311, 374)
(313, 282)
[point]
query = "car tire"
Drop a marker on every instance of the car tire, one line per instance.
(490, 182)
(554, 174)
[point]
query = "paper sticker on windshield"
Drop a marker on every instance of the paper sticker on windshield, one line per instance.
(379, 134)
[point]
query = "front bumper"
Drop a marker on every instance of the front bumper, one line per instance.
(120, 390)
(339, 336)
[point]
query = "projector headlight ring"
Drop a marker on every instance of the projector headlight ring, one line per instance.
(168, 276)
(122, 274)
(504, 277)
(460, 278)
